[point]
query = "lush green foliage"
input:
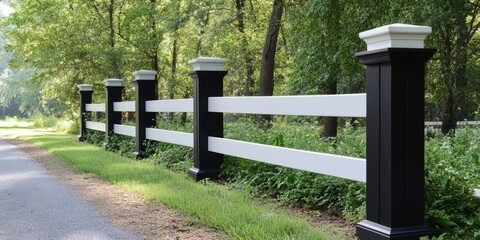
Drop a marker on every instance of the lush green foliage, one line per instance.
(39, 121)
(63, 44)
(292, 186)
(213, 205)
(57, 45)
(452, 170)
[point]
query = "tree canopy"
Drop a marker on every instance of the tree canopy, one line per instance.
(57, 44)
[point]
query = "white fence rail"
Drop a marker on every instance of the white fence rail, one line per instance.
(438, 124)
(98, 126)
(124, 130)
(124, 106)
(180, 138)
(381, 60)
(346, 105)
(170, 105)
(333, 165)
(95, 107)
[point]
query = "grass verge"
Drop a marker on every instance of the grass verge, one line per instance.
(231, 212)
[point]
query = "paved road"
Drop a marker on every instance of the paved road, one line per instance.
(33, 205)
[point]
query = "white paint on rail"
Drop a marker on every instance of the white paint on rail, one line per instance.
(339, 105)
(170, 105)
(124, 130)
(333, 165)
(95, 107)
(180, 138)
(98, 126)
(124, 106)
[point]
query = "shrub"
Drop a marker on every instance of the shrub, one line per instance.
(452, 165)
(94, 137)
(452, 171)
(295, 187)
(174, 157)
(40, 121)
(123, 145)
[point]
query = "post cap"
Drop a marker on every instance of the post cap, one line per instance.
(113, 82)
(395, 35)
(144, 75)
(207, 64)
(85, 87)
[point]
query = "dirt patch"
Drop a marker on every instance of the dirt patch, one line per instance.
(321, 219)
(125, 209)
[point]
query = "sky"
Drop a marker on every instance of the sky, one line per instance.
(5, 10)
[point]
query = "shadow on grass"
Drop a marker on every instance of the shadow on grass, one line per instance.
(214, 205)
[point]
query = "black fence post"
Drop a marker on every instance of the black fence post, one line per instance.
(145, 89)
(395, 69)
(207, 78)
(113, 93)
(86, 92)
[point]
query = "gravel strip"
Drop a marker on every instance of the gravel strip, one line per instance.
(34, 205)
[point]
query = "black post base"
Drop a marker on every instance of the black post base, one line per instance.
(368, 230)
(81, 138)
(197, 174)
(138, 155)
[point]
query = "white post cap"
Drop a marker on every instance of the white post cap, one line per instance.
(207, 64)
(85, 87)
(395, 35)
(113, 82)
(144, 75)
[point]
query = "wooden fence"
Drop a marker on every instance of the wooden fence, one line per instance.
(394, 173)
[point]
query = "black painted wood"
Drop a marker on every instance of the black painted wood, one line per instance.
(85, 98)
(113, 94)
(206, 84)
(395, 147)
(373, 153)
(144, 90)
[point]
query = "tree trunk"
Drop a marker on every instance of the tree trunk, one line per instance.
(250, 71)
(446, 36)
(154, 56)
(449, 121)
(115, 70)
(267, 67)
(171, 82)
(247, 58)
(461, 62)
(330, 123)
(183, 117)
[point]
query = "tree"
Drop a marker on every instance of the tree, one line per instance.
(244, 51)
(326, 37)
(455, 24)
(109, 23)
(267, 67)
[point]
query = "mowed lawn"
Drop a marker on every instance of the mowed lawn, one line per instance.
(233, 213)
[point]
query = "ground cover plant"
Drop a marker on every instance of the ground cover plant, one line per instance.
(452, 171)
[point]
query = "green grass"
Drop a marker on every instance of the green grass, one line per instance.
(231, 212)
(39, 121)
(14, 122)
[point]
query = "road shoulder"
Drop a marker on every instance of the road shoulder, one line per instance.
(128, 210)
